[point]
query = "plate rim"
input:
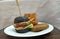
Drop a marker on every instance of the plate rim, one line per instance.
(33, 35)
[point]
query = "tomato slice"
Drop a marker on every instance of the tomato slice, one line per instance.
(18, 26)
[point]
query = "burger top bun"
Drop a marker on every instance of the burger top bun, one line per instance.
(21, 19)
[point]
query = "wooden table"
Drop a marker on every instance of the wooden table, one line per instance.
(55, 34)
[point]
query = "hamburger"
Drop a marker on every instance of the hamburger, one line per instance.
(22, 24)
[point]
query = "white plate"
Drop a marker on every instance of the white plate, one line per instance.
(11, 31)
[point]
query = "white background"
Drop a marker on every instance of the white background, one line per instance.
(47, 11)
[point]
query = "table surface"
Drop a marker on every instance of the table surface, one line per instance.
(55, 34)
